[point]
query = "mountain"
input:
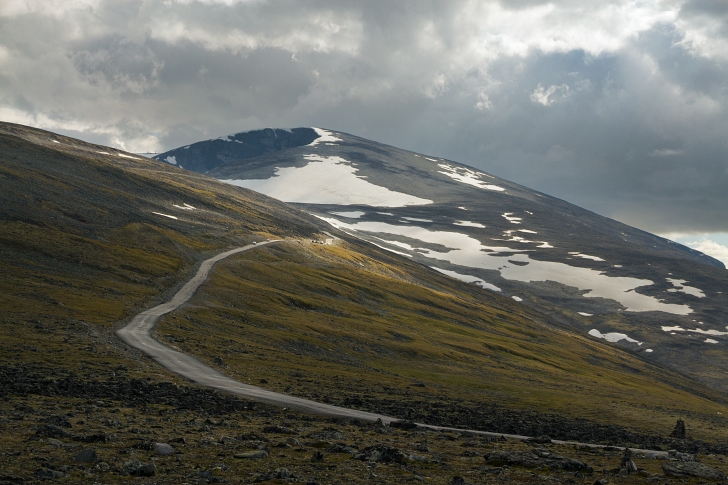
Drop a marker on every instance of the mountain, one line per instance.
(204, 156)
(90, 236)
(591, 274)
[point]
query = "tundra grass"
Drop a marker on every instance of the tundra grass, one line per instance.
(332, 324)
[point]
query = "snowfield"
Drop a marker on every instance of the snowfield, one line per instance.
(327, 180)
(466, 251)
(467, 176)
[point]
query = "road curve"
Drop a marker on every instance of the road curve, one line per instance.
(137, 334)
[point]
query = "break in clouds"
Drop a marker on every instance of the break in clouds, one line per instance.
(619, 107)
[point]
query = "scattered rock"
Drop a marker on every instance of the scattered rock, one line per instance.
(278, 429)
(681, 456)
(253, 455)
(163, 449)
(687, 469)
(11, 479)
(534, 459)
(136, 468)
(381, 453)
(47, 473)
(278, 473)
(341, 448)
(218, 361)
(52, 431)
(317, 457)
(458, 481)
(627, 464)
(86, 456)
(263, 381)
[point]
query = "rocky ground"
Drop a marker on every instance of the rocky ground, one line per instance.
(116, 429)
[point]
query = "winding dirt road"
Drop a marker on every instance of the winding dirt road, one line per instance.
(137, 334)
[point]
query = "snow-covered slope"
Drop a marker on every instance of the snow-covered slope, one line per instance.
(599, 277)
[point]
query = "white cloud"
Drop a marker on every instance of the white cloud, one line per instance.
(711, 248)
(548, 96)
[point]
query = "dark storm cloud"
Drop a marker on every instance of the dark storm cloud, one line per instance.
(618, 107)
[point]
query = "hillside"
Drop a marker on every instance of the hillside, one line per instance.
(91, 235)
(593, 275)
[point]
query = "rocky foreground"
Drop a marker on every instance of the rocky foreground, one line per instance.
(74, 429)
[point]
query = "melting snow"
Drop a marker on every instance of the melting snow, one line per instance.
(462, 208)
(103, 153)
(710, 341)
(350, 215)
(517, 298)
(612, 336)
(172, 160)
(165, 215)
(679, 286)
(325, 136)
(463, 250)
(468, 224)
(468, 279)
(467, 176)
(527, 231)
(584, 314)
(697, 330)
(55, 141)
(430, 159)
(185, 207)
(386, 213)
(127, 156)
(513, 220)
(416, 219)
(586, 256)
(648, 350)
(327, 180)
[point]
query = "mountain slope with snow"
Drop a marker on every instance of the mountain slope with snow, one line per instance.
(593, 274)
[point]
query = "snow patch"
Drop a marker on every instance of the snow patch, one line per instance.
(55, 141)
(350, 215)
(127, 156)
(697, 330)
(584, 314)
(416, 219)
(468, 279)
(517, 298)
(325, 136)
(165, 215)
(462, 208)
(185, 207)
(649, 351)
(468, 224)
(710, 341)
(103, 153)
(467, 176)
(510, 218)
(612, 336)
(327, 180)
(679, 286)
(463, 250)
(586, 256)
(527, 231)
(171, 159)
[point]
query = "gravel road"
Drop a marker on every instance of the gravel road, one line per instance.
(137, 333)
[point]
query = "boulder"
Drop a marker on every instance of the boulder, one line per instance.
(86, 456)
(163, 449)
(685, 469)
(253, 455)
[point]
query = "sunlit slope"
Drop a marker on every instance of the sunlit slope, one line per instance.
(86, 239)
(344, 325)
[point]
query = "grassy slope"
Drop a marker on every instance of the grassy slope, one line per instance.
(81, 251)
(339, 324)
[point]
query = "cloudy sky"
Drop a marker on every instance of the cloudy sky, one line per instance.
(620, 107)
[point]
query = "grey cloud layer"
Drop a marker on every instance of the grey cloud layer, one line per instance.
(621, 109)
